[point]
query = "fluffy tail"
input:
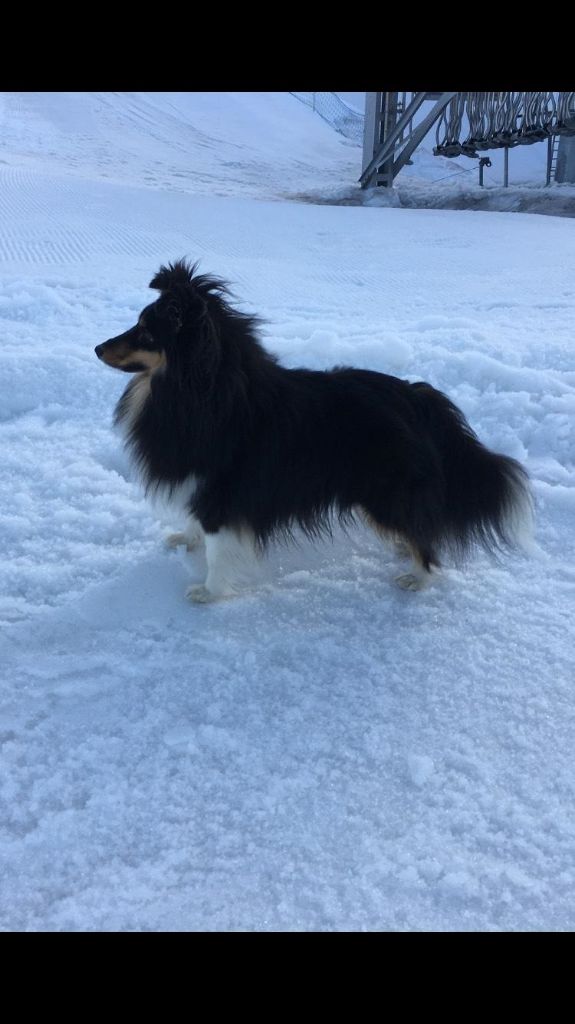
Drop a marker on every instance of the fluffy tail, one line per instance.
(487, 500)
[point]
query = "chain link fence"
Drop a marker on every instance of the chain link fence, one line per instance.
(332, 109)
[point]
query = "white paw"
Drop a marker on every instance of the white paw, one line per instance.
(409, 581)
(174, 540)
(200, 594)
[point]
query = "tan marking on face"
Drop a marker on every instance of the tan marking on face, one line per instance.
(122, 355)
(151, 360)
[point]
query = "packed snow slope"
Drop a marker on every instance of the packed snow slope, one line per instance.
(325, 752)
(224, 144)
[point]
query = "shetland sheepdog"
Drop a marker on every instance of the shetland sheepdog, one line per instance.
(253, 450)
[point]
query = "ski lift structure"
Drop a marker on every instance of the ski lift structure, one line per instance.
(466, 124)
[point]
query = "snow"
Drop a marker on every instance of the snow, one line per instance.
(326, 752)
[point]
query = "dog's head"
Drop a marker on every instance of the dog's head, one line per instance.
(157, 337)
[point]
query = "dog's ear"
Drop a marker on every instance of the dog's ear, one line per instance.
(177, 273)
(170, 310)
(174, 313)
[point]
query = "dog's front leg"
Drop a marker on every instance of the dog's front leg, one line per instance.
(230, 555)
(192, 536)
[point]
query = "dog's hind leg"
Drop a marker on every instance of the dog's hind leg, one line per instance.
(192, 536)
(231, 555)
(420, 576)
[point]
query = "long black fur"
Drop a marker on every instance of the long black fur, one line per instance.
(274, 448)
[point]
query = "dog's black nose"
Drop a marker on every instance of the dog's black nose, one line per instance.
(98, 350)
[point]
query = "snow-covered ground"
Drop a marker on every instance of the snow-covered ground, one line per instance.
(327, 751)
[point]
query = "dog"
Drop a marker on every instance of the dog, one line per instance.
(253, 450)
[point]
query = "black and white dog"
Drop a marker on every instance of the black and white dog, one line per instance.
(255, 450)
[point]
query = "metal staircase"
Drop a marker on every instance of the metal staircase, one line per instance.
(552, 152)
